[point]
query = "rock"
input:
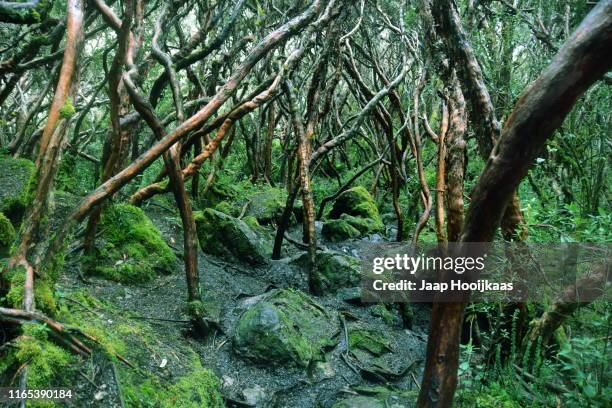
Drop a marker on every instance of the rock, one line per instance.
(354, 214)
(254, 396)
(357, 202)
(350, 295)
(130, 248)
(285, 326)
(378, 397)
(267, 206)
(7, 235)
(339, 230)
(17, 178)
(222, 235)
(334, 271)
(377, 352)
(219, 192)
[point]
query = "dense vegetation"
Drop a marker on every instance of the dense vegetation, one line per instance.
(188, 190)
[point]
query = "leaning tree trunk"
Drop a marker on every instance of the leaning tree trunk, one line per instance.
(582, 60)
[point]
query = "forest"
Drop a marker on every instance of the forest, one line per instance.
(193, 194)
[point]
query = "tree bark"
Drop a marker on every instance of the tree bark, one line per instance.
(541, 109)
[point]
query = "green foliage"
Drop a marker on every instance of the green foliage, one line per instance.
(130, 248)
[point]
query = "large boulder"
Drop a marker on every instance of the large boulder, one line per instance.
(223, 235)
(334, 270)
(285, 326)
(7, 235)
(356, 201)
(130, 248)
(353, 215)
(17, 177)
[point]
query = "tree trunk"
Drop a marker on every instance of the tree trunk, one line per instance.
(541, 109)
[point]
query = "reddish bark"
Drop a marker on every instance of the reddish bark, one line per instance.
(541, 109)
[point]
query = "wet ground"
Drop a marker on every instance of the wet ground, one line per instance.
(227, 287)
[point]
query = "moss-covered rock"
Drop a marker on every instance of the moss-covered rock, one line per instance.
(17, 177)
(285, 327)
(130, 248)
(354, 214)
(7, 235)
(219, 192)
(226, 208)
(267, 206)
(356, 201)
(370, 341)
(339, 230)
(334, 270)
(378, 397)
(222, 235)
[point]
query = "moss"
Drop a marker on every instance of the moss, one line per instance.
(285, 327)
(199, 388)
(43, 291)
(49, 365)
(267, 206)
(381, 311)
(225, 208)
(130, 248)
(17, 181)
(67, 110)
(222, 235)
(339, 230)
(378, 397)
(334, 270)
(219, 192)
(7, 235)
(364, 225)
(356, 201)
(370, 341)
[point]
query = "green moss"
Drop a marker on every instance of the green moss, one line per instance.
(356, 201)
(130, 248)
(225, 208)
(67, 110)
(339, 230)
(334, 270)
(49, 365)
(370, 341)
(267, 205)
(199, 388)
(17, 181)
(378, 397)
(7, 235)
(381, 311)
(43, 292)
(285, 327)
(364, 225)
(222, 235)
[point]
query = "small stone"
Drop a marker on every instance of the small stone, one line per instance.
(254, 396)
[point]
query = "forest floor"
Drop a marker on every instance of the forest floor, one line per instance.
(152, 317)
